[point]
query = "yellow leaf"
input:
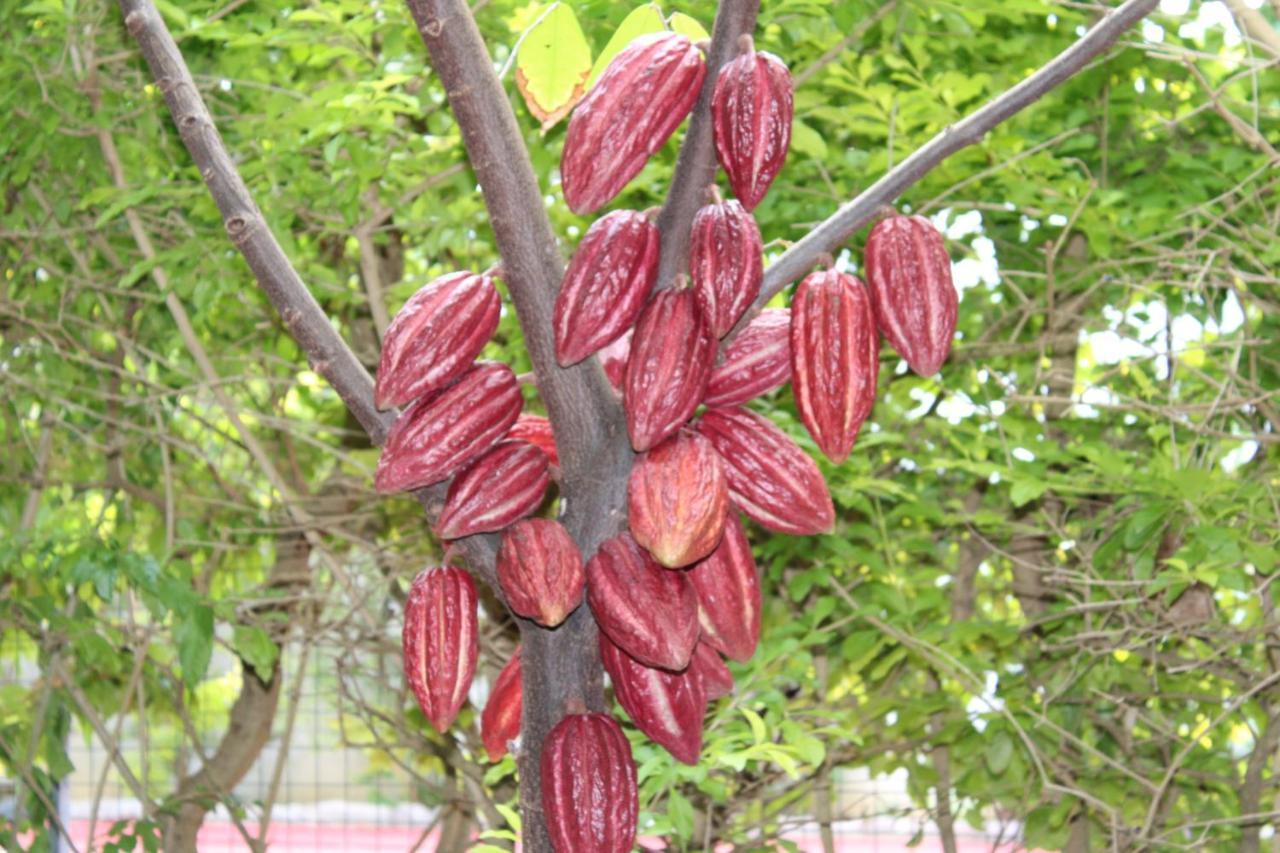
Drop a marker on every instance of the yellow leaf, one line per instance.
(552, 65)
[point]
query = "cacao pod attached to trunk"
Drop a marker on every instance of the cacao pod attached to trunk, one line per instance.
(677, 498)
(441, 642)
(666, 706)
(729, 594)
(725, 262)
(758, 360)
(540, 571)
(751, 110)
(536, 430)
(500, 722)
(717, 680)
(589, 795)
(502, 486)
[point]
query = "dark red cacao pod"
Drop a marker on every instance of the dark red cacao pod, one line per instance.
(751, 111)
(589, 795)
(632, 110)
(677, 499)
(725, 261)
(435, 337)
(606, 284)
(438, 435)
(613, 359)
(770, 478)
(500, 722)
(717, 680)
(728, 591)
(505, 484)
(909, 272)
(758, 360)
(649, 611)
(666, 706)
(540, 570)
(672, 354)
(536, 430)
(440, 642)
(835, 358)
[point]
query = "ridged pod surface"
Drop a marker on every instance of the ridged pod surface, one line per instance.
(500, 721)
(672, 353)
(438, 435)
(909, 272)
(613, 359)
(536, 430)
(717, 680)
(440, 642)
(770, 478)
(728, 589)
(632, 110)
(725, 262)
(435, 337)
(650, 612)
(758, 360)
(606, 285)
(540, 571)
(589, 795)
(677, 499)
(666, 706)
(751, 109)
(504, 485)
(835, 359)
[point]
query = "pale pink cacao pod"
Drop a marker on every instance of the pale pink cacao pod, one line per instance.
(758, 360)
(649, 611)
(770, 478)
(500, 721)
(613, 359)
(728, 591)
(725, 262)
(835, 358)
(672, 354)
(589, 795)
(666, 706)
(440, 642)
(909, 272)
(751, 110)
(435, 337)
(606, 284)
(677, 499)
(536, 430)
(540, 571)
(632, 110)
(438, 435)
(717, 680)
(505, 484)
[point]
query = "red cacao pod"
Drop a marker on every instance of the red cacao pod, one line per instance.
(540, 570)
(770, 478)
(672, 354)
(435, 337)
(751, 112)
(505, 484)
(589, 795)
(725, 261)
(666, 706)
(613, 359)
(758, 360)
(678, 498)
(500, 722)
(536, 430)
(717, 680)
(835, 358)
(606, 284)
(439, 434)
(649, 611)
(729, 595)
(632, 110)
(909, 272)
(440, 642)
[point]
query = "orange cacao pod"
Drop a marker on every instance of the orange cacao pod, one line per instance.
(770, 478)
(758, 360)
(672, 354)
(606, 284)
(505, 484)
(751, 112)
(500, 722)
(435, 337)
(440, 642)
(717, 680)
(666, 706)
(835, 358)
(649, 611)
(632, 110)
(725, 261)
(439, 434)
(589, 795)
(909, 272)
(541, 571)
(729, 595)
(677, 498)
(536, 430)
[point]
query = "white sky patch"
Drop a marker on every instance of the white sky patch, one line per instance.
(1242, 455)
(1212, 15)
(1152, 32)
(988, 702)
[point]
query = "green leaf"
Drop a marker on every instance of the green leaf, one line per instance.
(643, 19)
(553, 64)
(687, 26)
(1024, 492)
(194, 633)
(808, 141)
(759, 731)
(999, 753)
(254, 646)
